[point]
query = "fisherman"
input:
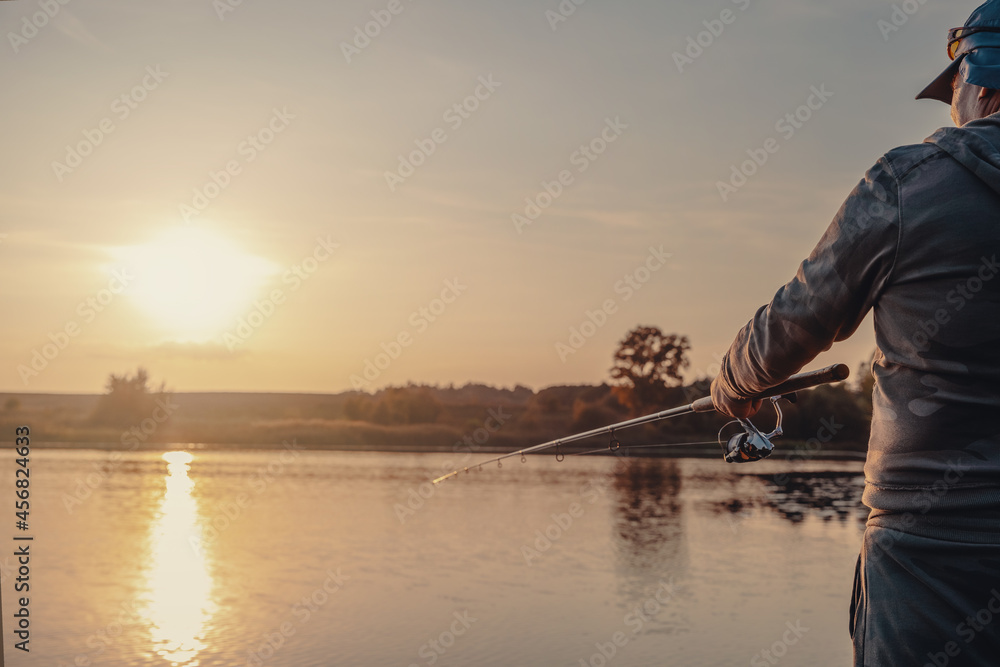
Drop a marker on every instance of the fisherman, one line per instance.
(918, 242)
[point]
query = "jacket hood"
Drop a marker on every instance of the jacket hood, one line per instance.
(976, 146)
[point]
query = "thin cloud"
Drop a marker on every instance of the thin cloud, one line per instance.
(76, 30)
(196, 351)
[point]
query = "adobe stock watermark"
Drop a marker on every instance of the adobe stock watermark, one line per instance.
(303, 610)
(88, 310)
(714, 28)
(417, 497)
(454, 116)
(545, 538)
(773, 654)
(635, 620)
(227, 512)
(562, 12)
(223, 7)
(929, 497)
(787, 126)
(30, 25)
(132, 438)
(974, 624)
(581, 159)
(626, 288)
(552, 533)
(247, 151)
(264, 308)
(98, 642)
(121, 108)
(436, 648)
(420, 321)
(825, 434)
(957, 298)
(365, 33)
(900, 16)
(691, 392)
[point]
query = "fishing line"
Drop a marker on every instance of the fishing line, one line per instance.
(750, 444)
(626, 448)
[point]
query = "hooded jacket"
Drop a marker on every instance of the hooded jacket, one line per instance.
(918, 242)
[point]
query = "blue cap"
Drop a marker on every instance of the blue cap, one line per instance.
(977, 58)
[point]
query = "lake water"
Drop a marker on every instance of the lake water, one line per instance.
(304, 559)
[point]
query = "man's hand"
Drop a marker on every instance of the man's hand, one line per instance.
(731, 406)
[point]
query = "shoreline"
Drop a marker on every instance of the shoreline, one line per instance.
(787, 453)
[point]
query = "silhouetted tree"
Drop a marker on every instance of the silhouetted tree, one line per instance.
(395, 406)
(548, 402)
(129, 399)
(646, 364)
(359, 407)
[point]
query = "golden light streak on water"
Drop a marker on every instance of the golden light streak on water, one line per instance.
(180, 585)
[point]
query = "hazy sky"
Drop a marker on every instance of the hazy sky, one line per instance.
(166, 165)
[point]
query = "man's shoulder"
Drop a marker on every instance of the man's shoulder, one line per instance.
(903, 161)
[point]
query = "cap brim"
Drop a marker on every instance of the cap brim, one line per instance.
(941, 88)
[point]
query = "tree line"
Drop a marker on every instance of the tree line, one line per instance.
(647, 374)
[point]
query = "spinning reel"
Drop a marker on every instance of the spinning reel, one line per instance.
(750, 444)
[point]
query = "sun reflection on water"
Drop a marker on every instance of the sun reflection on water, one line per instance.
(180, 586)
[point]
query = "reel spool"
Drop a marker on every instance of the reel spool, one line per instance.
(750, 444)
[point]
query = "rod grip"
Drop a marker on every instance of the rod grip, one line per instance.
(834, 373)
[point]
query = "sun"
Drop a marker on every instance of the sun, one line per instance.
(195, 284)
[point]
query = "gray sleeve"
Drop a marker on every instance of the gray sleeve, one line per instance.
(834, 289)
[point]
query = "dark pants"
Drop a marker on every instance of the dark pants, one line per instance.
(924, 601)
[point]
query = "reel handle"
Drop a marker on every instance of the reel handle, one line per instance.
(834, 373)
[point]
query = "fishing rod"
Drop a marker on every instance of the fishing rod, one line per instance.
(750, 444)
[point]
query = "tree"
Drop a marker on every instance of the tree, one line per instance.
(646, 365)
(394, 406)
(359, 407)
(129, 399)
